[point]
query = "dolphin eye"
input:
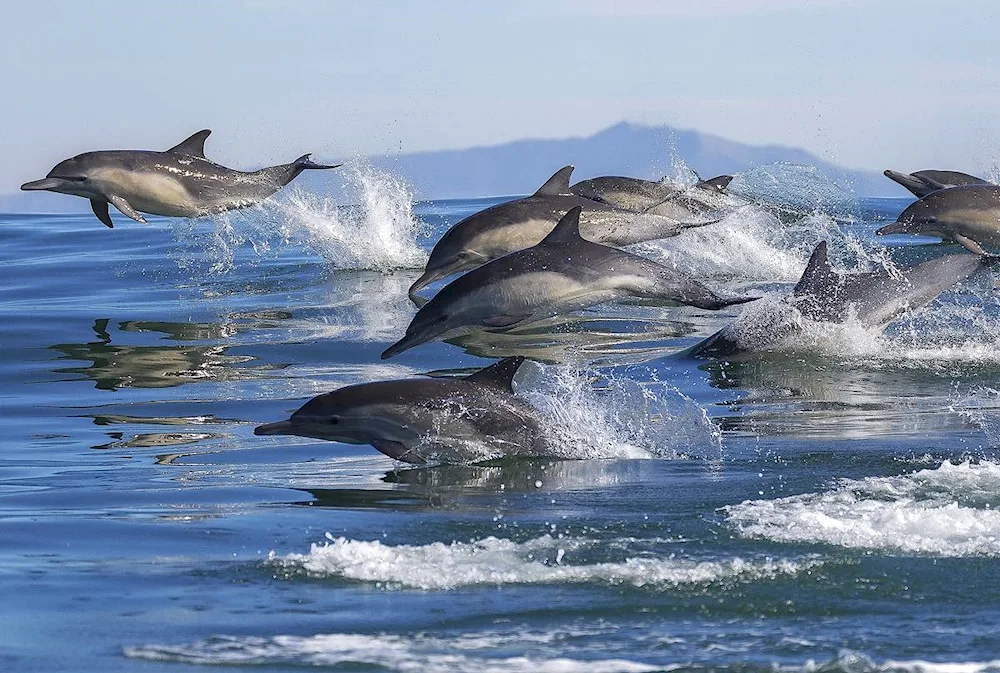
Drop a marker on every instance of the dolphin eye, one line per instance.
(333, 420)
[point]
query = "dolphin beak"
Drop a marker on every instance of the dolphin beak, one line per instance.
(43, 184)
(896, 227)
(404, 344)
(431, 275)
(279, 428)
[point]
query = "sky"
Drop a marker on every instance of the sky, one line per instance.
(907, 84)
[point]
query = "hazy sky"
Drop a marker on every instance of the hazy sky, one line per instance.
(908, 84)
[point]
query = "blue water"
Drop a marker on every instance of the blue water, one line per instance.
(834, 506)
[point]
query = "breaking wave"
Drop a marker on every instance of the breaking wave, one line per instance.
(950, 510)
(495, 562)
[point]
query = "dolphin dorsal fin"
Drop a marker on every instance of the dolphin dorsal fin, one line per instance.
(193, 146)
(817, 270)
(557, 184)
(718, 183)
(498, 375)
(567, 229)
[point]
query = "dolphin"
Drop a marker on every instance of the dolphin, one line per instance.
(874, 298)
(410, 418)
(922, 183)
(180, 182)
(646, 196)
(519, 224)
(562, 273)
(968, 215)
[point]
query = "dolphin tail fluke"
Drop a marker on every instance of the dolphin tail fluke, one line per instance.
(718, 183)
(287, 172)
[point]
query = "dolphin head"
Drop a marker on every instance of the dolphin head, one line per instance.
(72, 176)
(430, 323)
(920, 217)
(450, 255)
(336, 417)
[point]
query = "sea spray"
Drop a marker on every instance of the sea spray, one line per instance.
(378, 231)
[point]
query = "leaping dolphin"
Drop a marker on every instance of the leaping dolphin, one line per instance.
(411, 418)
(519, 224)
(180, 182)
(874, 298)
(922, 183)
(968, 215)
(658, 198)
(562, 273)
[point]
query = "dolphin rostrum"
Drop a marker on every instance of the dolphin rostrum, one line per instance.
(412, 419)
(562, 273)
(922, 183)
(519, 224)
(874, 298)
(180, 182)
(968, 215)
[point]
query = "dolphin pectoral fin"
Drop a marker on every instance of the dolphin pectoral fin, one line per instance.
(101, 210)
(397, 451)
(502, 321)
(126, 208)
(969, 244)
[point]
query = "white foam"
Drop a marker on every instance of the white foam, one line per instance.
(378, 233)
(407, 654)
(625, 419)
(494, 561)
(947, 511)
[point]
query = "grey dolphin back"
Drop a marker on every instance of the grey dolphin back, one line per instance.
(922, 183)
(499, 375)
(567, 229)
(193, 146)
(558, 184)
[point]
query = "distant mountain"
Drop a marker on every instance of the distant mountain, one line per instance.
(521, 166)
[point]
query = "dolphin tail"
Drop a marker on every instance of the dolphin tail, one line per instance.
(285, 173)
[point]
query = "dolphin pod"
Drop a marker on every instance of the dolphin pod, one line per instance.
(562, 273)
(180, 182)
(534, 258)
(411, 419)
(515, 225)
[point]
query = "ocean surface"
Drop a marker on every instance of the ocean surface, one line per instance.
(831, 506)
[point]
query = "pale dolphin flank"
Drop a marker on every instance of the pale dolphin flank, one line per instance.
(922, 183)
(562, 273)
(874, 298)
(519, 224)
(180, 182)
(410, 419)
(968, 215)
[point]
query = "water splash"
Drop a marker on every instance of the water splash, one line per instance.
(622, 419)
(379, 232)
(948, 511)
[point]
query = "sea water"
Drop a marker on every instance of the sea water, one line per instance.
(830, 505)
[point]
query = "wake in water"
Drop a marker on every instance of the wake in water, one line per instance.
(951, 510)
(378, 233)
(494, 562)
